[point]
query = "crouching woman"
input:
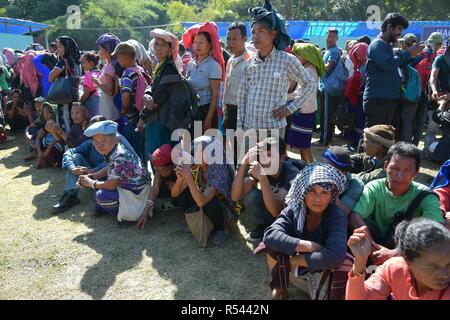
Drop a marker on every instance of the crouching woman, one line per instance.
(124, 192)
(308, 240)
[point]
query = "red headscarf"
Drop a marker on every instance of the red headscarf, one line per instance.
(212, 30)
(358, 56)
(162, 156)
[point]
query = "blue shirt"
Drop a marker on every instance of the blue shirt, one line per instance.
(444, 73)
(383, 79)
(44, 71)
(87, 151)
(331, 55)
(200, 75)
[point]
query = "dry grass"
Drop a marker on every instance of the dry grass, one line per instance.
(79, 256)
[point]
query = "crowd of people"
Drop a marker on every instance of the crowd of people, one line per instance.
(107, 118)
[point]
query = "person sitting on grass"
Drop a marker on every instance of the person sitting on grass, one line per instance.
(124, 192)
(209, 184)
(368, 166)
(75, 137)
(386, 202)
(339, 157)
(264, 204)
(309, 238)
(164, 180)
(17, 114)
(420, 273)
(49, 151)
(78, 161)
(32, 130)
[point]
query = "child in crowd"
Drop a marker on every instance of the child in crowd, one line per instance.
(49, 151)
(75, 137)
(90, 97)
(125, 54)
(32, 130)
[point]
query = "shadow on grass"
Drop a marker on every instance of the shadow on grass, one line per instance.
(229, 271)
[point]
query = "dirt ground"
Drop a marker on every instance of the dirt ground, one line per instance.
(77, 255)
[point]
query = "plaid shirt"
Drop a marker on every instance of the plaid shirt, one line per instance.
(265, 88)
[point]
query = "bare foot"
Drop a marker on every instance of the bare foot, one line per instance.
(280, 294)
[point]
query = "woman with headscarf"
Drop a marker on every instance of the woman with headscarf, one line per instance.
(124, 192)
(68, 65)
(142, 56)
(309, 238)
(208, 183)
(354, 92)
(206, 71)
(9, 55)
(301, 130)
(108, 82)
(28, 76)
(165, 74)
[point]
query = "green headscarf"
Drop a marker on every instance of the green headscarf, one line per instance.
(310, 53)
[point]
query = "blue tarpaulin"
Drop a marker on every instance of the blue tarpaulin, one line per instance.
(347, 29)
(18, 26)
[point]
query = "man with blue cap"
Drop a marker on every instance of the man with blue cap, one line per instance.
(124, 192)
(339, 157)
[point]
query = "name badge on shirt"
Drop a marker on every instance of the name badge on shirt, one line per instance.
(277, 75)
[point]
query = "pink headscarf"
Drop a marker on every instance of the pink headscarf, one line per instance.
(211, 28)
(28, 74)
(174, 43)
(357, 54)
(9, 54)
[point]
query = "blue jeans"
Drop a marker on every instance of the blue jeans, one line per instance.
(71, 180)
(254, 204)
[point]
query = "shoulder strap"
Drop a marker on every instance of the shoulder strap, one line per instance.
(416, 202)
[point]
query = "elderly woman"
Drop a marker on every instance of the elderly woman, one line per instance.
(209, 182)
(127, 184)
(165, 75)
(68, 64)
(309, 238)
(420, 273)
(206, 71)
(108, 82)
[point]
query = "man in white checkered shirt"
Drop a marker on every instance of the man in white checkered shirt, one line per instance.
(262, 97)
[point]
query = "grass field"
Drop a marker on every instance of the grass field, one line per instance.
(77, 255)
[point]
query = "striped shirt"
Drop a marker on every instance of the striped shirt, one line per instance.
(265, 88)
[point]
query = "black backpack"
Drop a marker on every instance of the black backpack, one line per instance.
(405, 215)
(180, 109)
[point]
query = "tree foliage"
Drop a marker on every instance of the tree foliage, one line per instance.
(134, 18)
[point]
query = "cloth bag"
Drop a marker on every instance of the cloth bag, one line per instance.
(131, 205)
(200, 225)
